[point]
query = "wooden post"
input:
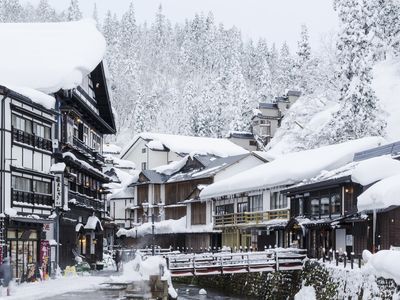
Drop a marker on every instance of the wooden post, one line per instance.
(276, 260)
(222, 265)
(248, 262)
(194, 264)
(344, 260)
(352, 259)
(337, 257)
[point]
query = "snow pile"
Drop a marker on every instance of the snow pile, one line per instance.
(306, 117)
(164, 227)
(52, 61)
(120, 190)
(36, 96)
(381, 195)
(58, 167)
(384, 263)
(374, 169)
(386, 84)
(172, 167)
(111, 149)
(141, 268)
(188, 144)
(306, 293)
(291, 168)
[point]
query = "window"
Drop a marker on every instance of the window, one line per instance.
(252, 143)
(224, 209)
(96, 141)
(41, 187)
(41, 131)
(325, 205)
(242, 207)
(256, 203)
(278, 200)
(336, 203)
(143, 150)
(315, 207)
(143, 166)
(21, 184)
(85, 135)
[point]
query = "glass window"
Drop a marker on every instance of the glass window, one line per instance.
(256, 203)
(41, 187)
(28, 126)
(325, 205)
(224, 209)
(143, 166)
(242, 207)
(143, 150)
(315, 207)
(336, 203)
(21, 184)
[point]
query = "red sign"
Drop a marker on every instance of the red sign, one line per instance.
(44, 258)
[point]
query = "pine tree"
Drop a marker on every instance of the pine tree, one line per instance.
(11, 11)
(45, 13)
(73, 12)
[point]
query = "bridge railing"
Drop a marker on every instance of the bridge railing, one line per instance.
(226, 263)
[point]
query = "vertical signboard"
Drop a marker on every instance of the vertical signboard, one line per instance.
(58, 191)
(44, 258)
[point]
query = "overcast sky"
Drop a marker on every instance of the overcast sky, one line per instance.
(275, 20)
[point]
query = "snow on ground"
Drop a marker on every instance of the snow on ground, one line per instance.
(381, 195)
(51, 62)
(291, 168)
(52, 288)
(306, 293)
(188, 144)
(164, 227)
(386, 84)
(384, 263)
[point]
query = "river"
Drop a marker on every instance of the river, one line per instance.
(185, 292)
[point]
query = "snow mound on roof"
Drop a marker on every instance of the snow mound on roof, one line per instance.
(384, 263)
(374, 169)
(172, 167)
(291, 168)
(111, 149)
(189, 144)
(36, 96)
(386, 84)
(381, 195)
(92, 222)
(49, 56)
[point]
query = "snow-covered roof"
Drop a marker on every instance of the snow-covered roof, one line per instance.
(187, 144)
(49, 56)
(164, 227)
(92, 222)
(291, 168)
(58, 167)
(381, 195)
(111, 149)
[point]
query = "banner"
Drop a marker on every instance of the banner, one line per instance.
(44, 258)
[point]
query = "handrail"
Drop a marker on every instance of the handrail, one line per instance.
(250, 217)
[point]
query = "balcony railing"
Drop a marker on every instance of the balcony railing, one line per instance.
(31, 139)
(244, 218)
(81, 145)
(31, 199)
(84, 201)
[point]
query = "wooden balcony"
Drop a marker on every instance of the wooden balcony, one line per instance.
(86, 201)
(86, 149)
(249, 218)
(23, 198)
(31, 139)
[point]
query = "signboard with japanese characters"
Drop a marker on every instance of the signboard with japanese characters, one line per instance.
(58, 191)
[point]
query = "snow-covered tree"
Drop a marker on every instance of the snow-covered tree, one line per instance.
(73, 12)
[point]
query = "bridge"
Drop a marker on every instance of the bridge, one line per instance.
(208, 263)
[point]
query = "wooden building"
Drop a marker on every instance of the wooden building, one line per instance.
(85, 116)
(26, 193)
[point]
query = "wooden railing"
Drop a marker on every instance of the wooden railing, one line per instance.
(84, 201)
(31, 139)
(81, 145)
(227, 263)
(244, 218)
(21, 198)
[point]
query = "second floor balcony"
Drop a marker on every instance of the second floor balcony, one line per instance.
(88, 150)
(249, 218)
(31, 140)
(31, 199)
(85, 201)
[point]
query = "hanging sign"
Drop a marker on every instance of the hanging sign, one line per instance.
(57, 191)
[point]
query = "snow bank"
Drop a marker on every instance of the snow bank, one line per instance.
(384, 263)
(141, 268)
(164, 227)
(306, 293)
(291, 168)
(374, 169)
(381, 195)
(172, 167)
(49, 56)
(386, 84)
(188, 144)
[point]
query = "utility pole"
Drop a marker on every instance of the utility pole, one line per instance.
(152, 233)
